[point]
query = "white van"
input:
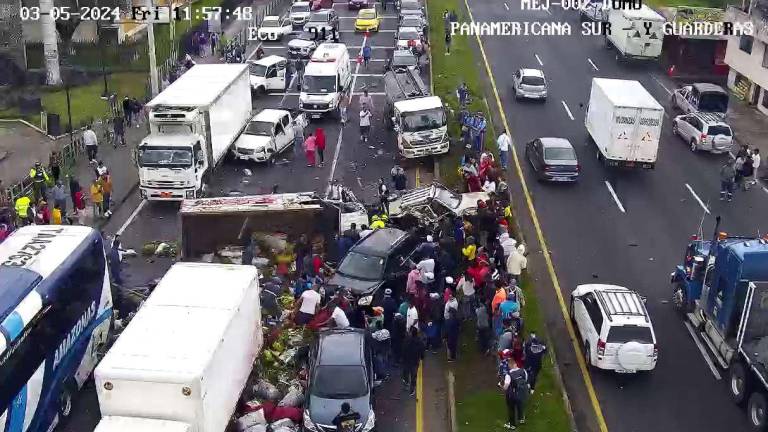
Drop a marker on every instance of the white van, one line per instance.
(267, 74)
(636, 33)
(327, 75)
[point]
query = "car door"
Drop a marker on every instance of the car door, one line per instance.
(695, 129)
(538, 154)
(280, 138)
(680, 99)
(287, 135)
(584, 307)
(271, 78)
(286, 26)
(684, 128)
(516, 80)
(280, 79)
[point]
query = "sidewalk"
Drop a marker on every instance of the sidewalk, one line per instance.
(749, 127)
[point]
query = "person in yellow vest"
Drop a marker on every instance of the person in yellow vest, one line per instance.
(376, 222)
(40, 181)
(56, 216)
(97, 198)
(22, 210)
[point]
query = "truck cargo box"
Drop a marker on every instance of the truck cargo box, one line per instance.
(188, 352)
(625, 122)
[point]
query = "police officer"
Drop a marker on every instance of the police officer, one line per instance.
(22, 210)
(39, 181)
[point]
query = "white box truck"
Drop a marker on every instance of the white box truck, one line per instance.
(635, 33)
(624, 121)
(186, 355)
(193, 124)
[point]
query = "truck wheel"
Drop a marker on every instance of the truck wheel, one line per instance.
(738, 385)
(757, 411)
(65, 400)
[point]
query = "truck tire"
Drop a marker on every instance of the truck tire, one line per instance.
(738, 383)
(757, 411)
(68, 389)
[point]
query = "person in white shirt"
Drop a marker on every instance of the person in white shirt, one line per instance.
(452, 303)
(489, 186)
(755, 164)
(466, 286)
(91, 143)
(339, 318)
(307, 306)
(426, 268)
(364, 231)
(507, 243)
(516, 263)
(412, 316)
(504, 144)
(365, 123)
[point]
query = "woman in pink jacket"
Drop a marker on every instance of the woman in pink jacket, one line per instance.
(310, 145)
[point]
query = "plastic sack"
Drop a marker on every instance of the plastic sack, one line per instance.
(251, 419)
(266, 390)
(256, 428)
(283, 424)
(294, 413)
(294, 397)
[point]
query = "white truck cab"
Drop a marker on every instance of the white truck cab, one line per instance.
(422, 127)
(268, 134)
(267, 74)
(326, 77)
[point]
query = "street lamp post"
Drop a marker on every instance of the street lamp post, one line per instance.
(69, 112)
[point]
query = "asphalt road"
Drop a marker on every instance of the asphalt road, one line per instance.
(634, 239)
(357, 165)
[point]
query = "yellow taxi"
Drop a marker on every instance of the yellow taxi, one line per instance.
(367, 20)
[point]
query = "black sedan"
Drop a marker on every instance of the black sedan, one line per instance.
(553, 159)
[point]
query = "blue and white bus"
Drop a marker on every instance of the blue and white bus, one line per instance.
(55, 316)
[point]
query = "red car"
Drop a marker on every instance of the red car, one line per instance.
(360, 4)
(322, 4)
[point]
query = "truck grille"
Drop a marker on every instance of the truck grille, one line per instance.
(315, 106)
(164, 184)
(245, 151)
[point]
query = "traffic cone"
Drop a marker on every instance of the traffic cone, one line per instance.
(671, 70)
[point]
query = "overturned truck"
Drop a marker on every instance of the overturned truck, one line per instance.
(211, 224)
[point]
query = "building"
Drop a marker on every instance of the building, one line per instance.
(747, 56)
(694, 56)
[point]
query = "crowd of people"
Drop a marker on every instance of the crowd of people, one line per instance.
(464, 273)
(739, 173)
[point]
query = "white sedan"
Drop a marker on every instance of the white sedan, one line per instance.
(274, 28)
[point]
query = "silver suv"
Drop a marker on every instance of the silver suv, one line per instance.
(704, 131)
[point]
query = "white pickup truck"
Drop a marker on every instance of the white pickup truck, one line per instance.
(268, 133)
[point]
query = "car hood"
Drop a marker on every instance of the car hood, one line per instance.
(299, 43)
(300, 14)
(316, 24)
(365, 21)
(323, 411)
(357, 286)
(311, 98)
(253, 142)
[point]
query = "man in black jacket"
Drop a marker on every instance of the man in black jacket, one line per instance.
(413, 354)
(534, 353)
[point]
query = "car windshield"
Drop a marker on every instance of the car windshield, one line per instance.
(299, 8)
(719, 130)
(410, 5)
(319, 83)
(630, 333)
(359, 266)
(318, 18)
(367, 14)
(259, 128)
(408, 35)
(270, 23)
(532, 80)
(448, 197)
(423, 120)
(165, 157)
(559, 153)
(257, 69)
(411, 21)
(339, 382)
(713, 102)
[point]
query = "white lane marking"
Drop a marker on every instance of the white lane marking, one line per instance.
(661, 85)
(701, 203)
(538, 59)
(696, 340)
(337, 150)
(592, 63)
(567, 110)
(615, 197)
(131, 217)
(506, 7)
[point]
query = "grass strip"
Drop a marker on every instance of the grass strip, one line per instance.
(480, 403)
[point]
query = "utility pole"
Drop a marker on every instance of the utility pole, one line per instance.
(152, 59)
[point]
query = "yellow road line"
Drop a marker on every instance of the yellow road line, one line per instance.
(419, 399)
(544, 249)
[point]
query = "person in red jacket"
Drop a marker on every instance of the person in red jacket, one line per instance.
(320, 144)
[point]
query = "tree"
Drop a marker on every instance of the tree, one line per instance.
(50, 44)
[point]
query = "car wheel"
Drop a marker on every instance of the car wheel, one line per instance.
(694, 146)
(737, 385)
(757, 411)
